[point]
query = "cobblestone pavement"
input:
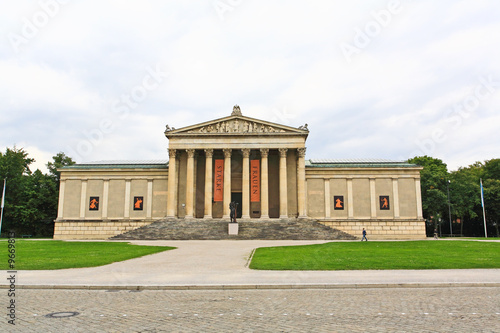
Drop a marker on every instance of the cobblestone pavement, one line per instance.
(332, 310)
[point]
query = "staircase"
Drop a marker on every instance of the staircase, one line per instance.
(279, 229)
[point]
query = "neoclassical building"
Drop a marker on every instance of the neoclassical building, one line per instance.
(259, 165)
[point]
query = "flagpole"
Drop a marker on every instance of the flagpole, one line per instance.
(3, 203)
(482, 204)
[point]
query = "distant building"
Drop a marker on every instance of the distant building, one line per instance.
(258, 164)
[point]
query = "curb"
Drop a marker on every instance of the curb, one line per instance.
(263, 286)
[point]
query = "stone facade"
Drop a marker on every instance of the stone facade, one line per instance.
(258, 164)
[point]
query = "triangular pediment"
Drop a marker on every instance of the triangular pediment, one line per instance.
(237, 125)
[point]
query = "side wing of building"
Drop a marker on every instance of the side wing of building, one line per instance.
(100, 200)
(383, 197)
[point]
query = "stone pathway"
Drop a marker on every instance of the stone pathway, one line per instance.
(341, 310)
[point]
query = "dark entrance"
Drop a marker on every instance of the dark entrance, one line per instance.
(236, 197)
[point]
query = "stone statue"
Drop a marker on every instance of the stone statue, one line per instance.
(236, 111)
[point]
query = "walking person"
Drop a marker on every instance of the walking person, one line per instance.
(364, 235)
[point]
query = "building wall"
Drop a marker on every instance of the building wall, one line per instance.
(408, 206)
(361, 203)
(338, 187)
(116, 199)
(115, 189)
(316, 198)
(73, 189)
(361, 190)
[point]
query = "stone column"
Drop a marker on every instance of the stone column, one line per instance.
(373, 199)
(189, 183)
(283, 187)
(301, 182)
(172, 175)
(327, 199)
(149, 200)
(227, 183)
(83, 199)
(418, 192)
(209, 153)
(395, 195)
(105, 199)
(264, 184)
(245, 188)
(126, 209)
(350, 199)
(60, 207)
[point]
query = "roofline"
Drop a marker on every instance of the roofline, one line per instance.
(176, 132)
(83, 166)
(396, 165)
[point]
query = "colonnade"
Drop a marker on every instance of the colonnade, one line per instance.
(209, 182)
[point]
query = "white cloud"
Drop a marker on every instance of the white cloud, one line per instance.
(278, 62)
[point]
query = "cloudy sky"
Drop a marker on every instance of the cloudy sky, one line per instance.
(373, 79)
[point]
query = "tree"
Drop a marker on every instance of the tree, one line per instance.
(14, 166)
(31, 197)
(433, 178)
(464, 194)
(492, 169)
(59, 160)
(491, 177)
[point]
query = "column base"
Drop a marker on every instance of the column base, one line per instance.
(302, 217)
(245, 217)
(207, 217)
(226, 217)
(283, 216)
(189, 217)
(264, 217)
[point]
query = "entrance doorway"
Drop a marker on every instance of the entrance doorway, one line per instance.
(237, 197)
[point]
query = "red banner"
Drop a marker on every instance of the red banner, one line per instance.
(254, 180)
(219, 180)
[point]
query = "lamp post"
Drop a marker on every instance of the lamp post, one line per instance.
(449, 207)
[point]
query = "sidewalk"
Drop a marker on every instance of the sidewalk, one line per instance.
(223, 264)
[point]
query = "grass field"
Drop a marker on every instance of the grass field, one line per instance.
(50, 254)
(379, 255)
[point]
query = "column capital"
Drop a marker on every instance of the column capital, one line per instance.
(227, 152)
(264, 152)
(282, 151)
(209, 152)
(190, 152)
(171, 153)
(246, 152)
(301, 152)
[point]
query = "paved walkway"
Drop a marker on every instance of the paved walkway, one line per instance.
(280, 310)
(223, 264)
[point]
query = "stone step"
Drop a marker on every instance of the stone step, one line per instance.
(285, 229)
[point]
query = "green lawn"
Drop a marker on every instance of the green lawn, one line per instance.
(479, 238)
(51, 254)
(379, 255)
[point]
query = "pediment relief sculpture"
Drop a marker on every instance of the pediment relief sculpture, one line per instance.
(237, 126)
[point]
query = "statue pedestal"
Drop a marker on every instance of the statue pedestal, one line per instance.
(233, 228)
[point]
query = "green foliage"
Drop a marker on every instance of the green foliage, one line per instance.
(31, 197)
(379, 255)
(465, 194)
(434, 177)
(59, 160)
(48, 254)
(465, 191)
